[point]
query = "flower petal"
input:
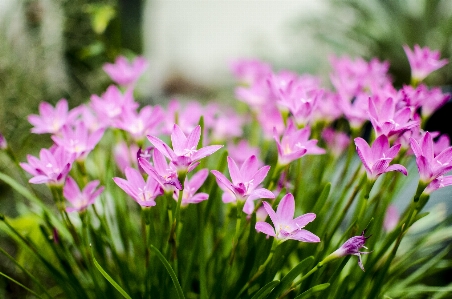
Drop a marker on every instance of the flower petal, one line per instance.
(286, 208)
(264, 227)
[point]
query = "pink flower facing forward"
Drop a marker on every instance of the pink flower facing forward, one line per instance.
(285, 226)
(189, 194)
(432, 167)
(423, 61)
(295, 144)
(245, 181)
(51, 120)
(351, 247)
(125, 73)
(142, 123)
(51, 168)
(78, 140)
(164, 173)
(185, 155)
(143, 192)
(376, 159)
(80, 200)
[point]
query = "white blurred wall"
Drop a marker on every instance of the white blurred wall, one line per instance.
(197, 38)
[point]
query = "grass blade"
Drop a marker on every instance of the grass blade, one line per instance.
(19, 284)
(265, 290)
(313, 290)
(180, 293)
(108, 277)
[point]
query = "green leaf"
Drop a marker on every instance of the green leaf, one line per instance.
(313, 290)
(290, 277)
(180, 293)
(31, 197)
(265, 290)
(108, 277)
(19, 284)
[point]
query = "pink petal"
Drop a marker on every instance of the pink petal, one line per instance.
(260, 175)
(236, 175)
(364, 151)
(205, 151)
(179, 140)
(261, 193)
(271, 213)
(264, 227)
(286, 208)
(249, 169)
(397, 167)
(302, 220)
(304, 236)
(193, 138)
(220, 177)
(380, 146)
(162, 147)
(70, 189)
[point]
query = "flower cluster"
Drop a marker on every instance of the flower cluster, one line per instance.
(218, 190)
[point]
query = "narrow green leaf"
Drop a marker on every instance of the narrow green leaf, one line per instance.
(108, 277)
(290, 277)
(323, 197)
(180, 293)
(31, 197)
(35, 280)
(313, 290)
(265, 290)
(19, 284)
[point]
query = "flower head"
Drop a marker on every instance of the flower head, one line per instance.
(143, 192)
(285, 226)
(351, 247)
(51, 120)
(376, 159)
(245, 180)
(431, 166)
(164, 173)
(125, 73)
(51, 168)
(184, 155)
(423, 61)
(80, 200)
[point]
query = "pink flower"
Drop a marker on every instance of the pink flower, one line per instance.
(431, 166)
(164, 173)
(242, 151)
(142, 123)
(80, 200)
(3, 143)
(351, 247)
(143, 192)
(250, 71)
(429, 99)
(112, 104)
(125, 73)
(51, 120)
(336, 141)
(423, 61)
(245, 181)
(295, 144)
(78, 140)
(376, 159)
(51, 168)
(285, 226)
(387, 121)
(189, 194)
(184, 155)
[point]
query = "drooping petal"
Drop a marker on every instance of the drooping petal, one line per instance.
(397, 167)
(261, 193)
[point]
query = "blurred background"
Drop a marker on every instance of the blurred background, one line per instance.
(53, 49)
